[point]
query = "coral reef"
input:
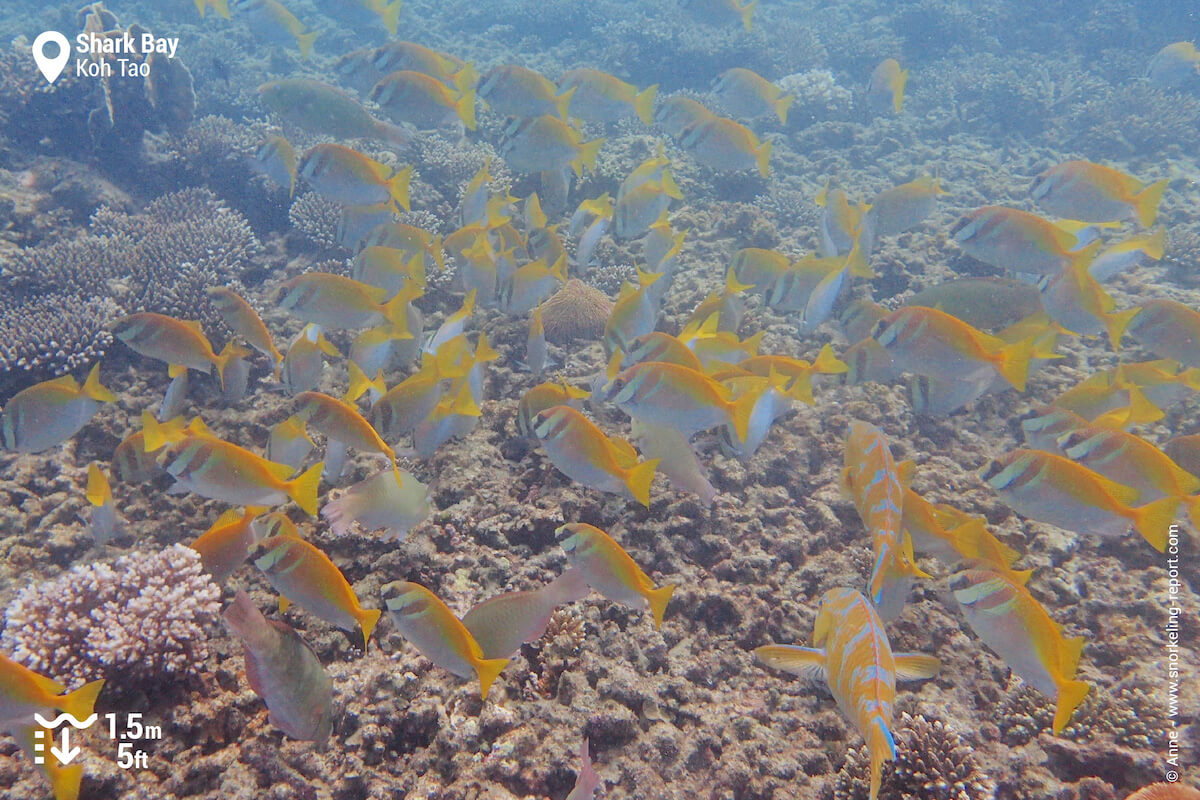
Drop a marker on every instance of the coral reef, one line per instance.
(143, 618)
(576, 311)
(52, 334)
(316, 218)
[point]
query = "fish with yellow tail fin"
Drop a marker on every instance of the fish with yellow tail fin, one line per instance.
(427, 622)
(658, 346)
(226, 544)
(885, 89)
(588, 224)
(874, 482)
(305, 360)
(677, 114)
(1175, 66)
(1169, 329)
(1075, 300)
(448, 69)
(452, 326)
(284, 671)
(841, 220)
(390, 269)
(1092, 192)
(1014, 625)
(219, 6)
(221, 470)
(535, 343)
(503, 623)
(1018, 241)
(531, 284)
(719, 12)
(104, 523)
(24, 693)
(951, 536)
(243, 320)
(326, 110)
(634, 314)
(346, 176)
(337, 302)
(455, 415)
(899, 209)
(424, 102)
(547, 144)
(411, 240)
(744, 93)
(46, 414)
(608, 569)
(388, 13)
(662, 245)
(277, 160)
(515, 91)
(391, 501)
(271, 21)
(599, 97)
(132, 462)
(1046, 426)
(1128, 254)
(342, 426)
(852, 653)
(582, 452)
(681, 398)
(180, 343)
(925, 341)
(542, 397)
(1049, 488)
(798, 372)
(303, 574)
(407, 404)
(726, 145)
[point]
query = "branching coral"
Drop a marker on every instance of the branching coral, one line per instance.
(141, 618)
(316, 218)
(52, 334)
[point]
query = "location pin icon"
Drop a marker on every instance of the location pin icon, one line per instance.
(51, 67)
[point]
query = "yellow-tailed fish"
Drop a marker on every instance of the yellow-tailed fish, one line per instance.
(346, 176)
(225, 546)
(388, 12)
(411, 56)
(388, 268)
(929, 342)
(1176, 66)
(46, 414)
(1075, 300)
(1164, 382)
(24, 693)
(582, 452)
(452, 326)
(104, 522)
(874, 481)
(547, 144)
(1185, 451)
(759, 267)
(275, 523)
(270, 20)
(356, 223)
(277, 160)
(900, 208)
(722, 347)
(661, 246)
(531, 284)
(726, 145)
(289, 443)
(657, 346)
(677, 114)
(727, 304)
(677, 460)
(219, 6)
(984, 303)
(860, 317)
(473, 209)
(409, 239)
(305, 360)
(340, 422)
(812, 285)
(588, 780)
(599, 97)
(744, 93)
(798, 372)
(514, 91)
(455, 415)
(634, 314)
(422, 101)
(427, 622)
(639, 208)
(1014, 625)
(221, 470)
(841, 220)
(284, 671)
(719, 12)
(1047, 426)
(325, 110)
(1092, 192)
(337, 302)
(372, 349)
(391, 501)
(180, 343)
(608, 569)
(1169, 329)
(1017, 240)
(535, 343)
(243, 320)
(588, 224)
(303, 574)
(1128, 254)
(852, 653)
(542, 397)
(503, 623)
(132, 461)
(407, 404)
(885, 89)
(1049, 488)
(681, 398)
(952, 536)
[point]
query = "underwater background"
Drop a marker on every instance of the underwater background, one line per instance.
(131, 195)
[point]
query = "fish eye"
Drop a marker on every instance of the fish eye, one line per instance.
(879, 328)
(994, 468)
(963, 222)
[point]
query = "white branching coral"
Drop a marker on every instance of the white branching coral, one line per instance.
(140, 618)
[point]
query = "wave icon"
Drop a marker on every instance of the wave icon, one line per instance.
(64, 717)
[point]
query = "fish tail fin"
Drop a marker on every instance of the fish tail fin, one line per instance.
(94, 389)
(639, 479)
(1013, 362)
(1153, 521)
(898, 93)
(390, 16)
(79, 703)
(882, 747)
(228, 353)
(1070, 695)
(658, 599)
(563, 102)
(763, 156)
(1116, 323)
(367, 622)
(747, 12)
(488, 669)
(396, 313)
(827, 363)
(1145, 202)
(64, 781)
(398, 187)
(1156, 243)
(586, 159)
(465, 78)
(743, 409)
(808, 661)
(154, 436)
(201, 6)
(222, 7)
(305, 42)
(782, 105)
(643, 103)
(360, 384)
(304, 489)
(916, 666)
(465, 107)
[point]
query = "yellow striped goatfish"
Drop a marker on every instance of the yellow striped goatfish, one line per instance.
(852, 652)
(873, 480)
(48, 413)
(608, 569)
(1017, 628)
(582, 452)
(431, 626)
